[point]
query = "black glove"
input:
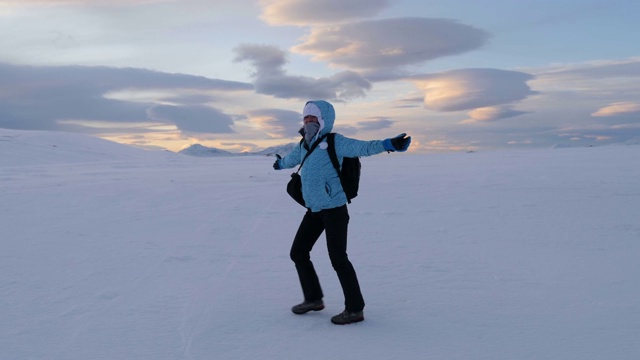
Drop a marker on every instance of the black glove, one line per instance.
(398, 143)
(276, 165)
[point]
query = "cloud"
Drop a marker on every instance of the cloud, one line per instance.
(345, 130)
(492, 113)
(594, 70)
(78, 2)
(467, 89)
(188, 99)
(377, 124)
(44, 97)
(613, 80)
(409, 102)
(193, 119)
(277, 122)
(603, 133)
(390, 43)
(596, 98)
(270, 78)
(314, 12)
(100, 79)
(619, 108)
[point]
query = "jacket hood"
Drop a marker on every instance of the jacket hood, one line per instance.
(328, 116)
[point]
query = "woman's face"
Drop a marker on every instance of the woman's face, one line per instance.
(310, 118)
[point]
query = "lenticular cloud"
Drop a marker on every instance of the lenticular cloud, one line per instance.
(473, 88)
(390, 43)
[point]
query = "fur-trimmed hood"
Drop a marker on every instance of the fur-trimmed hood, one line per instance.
(328, 116)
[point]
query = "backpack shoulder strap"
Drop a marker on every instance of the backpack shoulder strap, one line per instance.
(334, 159)
(332, 152)
(313, 147)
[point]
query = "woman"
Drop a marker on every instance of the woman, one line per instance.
(326, 205)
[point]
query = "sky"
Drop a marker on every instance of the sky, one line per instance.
(455, 75)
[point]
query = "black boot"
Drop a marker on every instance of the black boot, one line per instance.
(307, 306)
(347, 317)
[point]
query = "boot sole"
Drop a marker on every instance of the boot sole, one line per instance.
(307, 310)
(349, 322)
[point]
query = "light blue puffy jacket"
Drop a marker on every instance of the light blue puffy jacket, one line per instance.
(321, 187)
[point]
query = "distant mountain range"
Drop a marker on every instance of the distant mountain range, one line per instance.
(204, 151)
(282, 150)
(634, 141)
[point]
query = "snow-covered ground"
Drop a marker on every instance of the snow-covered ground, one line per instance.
(110, 252)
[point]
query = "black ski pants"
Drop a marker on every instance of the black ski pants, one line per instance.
(335, 223)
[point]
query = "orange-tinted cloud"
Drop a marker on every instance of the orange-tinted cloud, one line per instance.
(314, 12)
(276, 122)
(618, 108)
(492, 113)
(473, 88)
(390, 43)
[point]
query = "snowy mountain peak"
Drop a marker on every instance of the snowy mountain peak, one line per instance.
(203, 151)
(279, 149)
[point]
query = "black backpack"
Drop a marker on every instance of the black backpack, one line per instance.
(350, 172)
